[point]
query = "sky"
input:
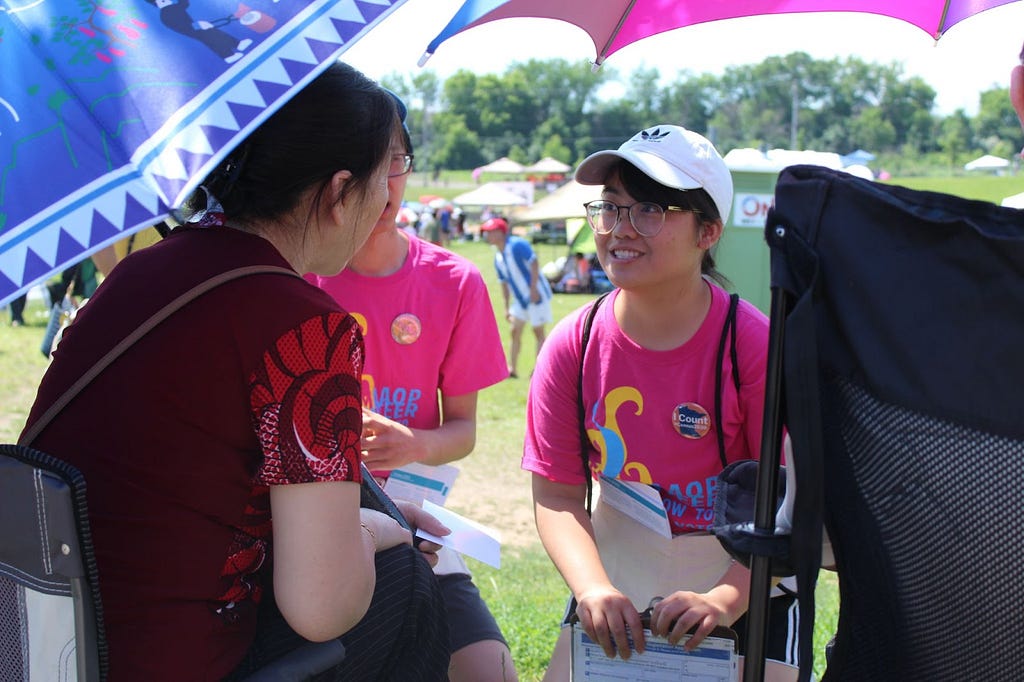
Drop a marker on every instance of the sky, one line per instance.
(975, 55)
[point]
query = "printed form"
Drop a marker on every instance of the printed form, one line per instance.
(715, 660)
(417, 482)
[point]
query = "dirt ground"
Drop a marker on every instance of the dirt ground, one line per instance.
(503, 502)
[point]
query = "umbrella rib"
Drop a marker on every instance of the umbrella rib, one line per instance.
(615, 33)
(940, 29)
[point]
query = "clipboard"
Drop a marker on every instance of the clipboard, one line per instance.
(714, 660)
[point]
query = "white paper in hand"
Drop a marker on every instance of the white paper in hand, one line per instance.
(467, 537)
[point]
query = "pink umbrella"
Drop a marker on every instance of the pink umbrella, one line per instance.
(614, 24)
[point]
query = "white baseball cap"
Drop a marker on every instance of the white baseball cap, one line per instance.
(671, 155)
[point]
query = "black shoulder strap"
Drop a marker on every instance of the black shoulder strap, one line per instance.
(727, 330)
(581, 411)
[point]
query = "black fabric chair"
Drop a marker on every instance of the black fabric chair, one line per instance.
(51, 618)
(51, 621)
(896, 362)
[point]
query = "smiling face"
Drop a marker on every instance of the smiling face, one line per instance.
(634, 262)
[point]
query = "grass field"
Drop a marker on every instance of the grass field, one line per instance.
(527, 595)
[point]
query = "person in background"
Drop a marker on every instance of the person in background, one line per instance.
(576, 275)
(224, 502)
(77, 285)
(649, 375)
(444, 219)
(18, 310)
(459, 220)
(1017, 90)
(428, 229)
(526, 293)
(431, 344)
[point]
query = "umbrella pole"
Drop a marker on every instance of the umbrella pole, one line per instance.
(765, 501)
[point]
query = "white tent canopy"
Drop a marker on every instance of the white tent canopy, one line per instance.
(491, 194)
(548, 165)
(564, 203)
(859, 170)
(1012, 201)
(987, 162)
(754, 160)
(502, 165)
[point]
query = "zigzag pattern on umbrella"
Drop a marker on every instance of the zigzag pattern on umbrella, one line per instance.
(275, 70)
(125, 200)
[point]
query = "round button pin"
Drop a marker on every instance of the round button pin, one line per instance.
(690, 420)
(406, 328)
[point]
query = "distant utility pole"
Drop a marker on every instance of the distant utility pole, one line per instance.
(793, 113)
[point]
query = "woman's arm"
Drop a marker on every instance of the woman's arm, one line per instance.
(568, 536)
(534, 281)
(389, 445)
(323, 555)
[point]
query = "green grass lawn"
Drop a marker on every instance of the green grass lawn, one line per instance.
(527, 595)
(992, 188)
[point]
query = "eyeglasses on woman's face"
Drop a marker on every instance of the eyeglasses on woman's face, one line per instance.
(400, 165)
(647, 217)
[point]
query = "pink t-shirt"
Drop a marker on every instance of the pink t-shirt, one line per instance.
(648, 413)
(428, 326)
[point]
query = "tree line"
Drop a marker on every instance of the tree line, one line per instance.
(562, 109)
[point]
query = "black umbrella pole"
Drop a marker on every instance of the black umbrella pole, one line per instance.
(765, 501)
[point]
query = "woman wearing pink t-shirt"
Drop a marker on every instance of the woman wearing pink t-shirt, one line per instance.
(651, 378)
(432, 344)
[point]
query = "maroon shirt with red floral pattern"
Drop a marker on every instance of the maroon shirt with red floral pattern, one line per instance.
(256, 383)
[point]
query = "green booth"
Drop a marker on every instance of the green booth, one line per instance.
(742, 254)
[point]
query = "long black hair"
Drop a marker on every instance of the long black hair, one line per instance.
(342, 120)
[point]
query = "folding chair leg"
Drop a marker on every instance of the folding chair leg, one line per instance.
(766, 498)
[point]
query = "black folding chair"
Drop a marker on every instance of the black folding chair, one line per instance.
(896, 362)
(51, 621)
(51, 617)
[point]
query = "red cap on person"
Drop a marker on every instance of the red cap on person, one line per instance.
(495, 224)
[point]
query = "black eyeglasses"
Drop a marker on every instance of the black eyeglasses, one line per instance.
(400, 165)
(647, 217)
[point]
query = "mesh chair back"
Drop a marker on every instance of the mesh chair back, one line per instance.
(903, 365)
(50, 617)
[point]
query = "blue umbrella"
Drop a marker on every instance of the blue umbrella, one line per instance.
(112, 111)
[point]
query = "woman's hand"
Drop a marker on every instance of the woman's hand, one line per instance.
(418, 518)
(384, 530)
(673, 616)
(386, 444)
(609, 617)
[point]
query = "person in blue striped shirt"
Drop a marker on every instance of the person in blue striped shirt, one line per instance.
(526, 292)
